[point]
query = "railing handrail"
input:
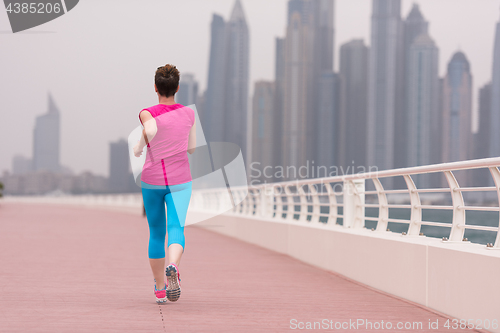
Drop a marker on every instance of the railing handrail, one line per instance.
(452, 166)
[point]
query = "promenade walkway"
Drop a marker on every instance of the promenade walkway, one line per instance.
(73, 269)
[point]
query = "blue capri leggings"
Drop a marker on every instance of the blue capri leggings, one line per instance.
(177, 199)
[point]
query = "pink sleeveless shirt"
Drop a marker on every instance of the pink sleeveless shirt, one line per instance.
(166, 158)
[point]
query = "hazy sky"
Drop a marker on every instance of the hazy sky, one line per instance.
(99, 59)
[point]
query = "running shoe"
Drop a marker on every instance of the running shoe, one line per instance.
(161, 295)
(173, 282)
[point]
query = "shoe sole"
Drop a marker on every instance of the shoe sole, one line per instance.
(161, 300)
(173, 287)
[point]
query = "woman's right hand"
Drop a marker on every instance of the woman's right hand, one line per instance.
(137, 150)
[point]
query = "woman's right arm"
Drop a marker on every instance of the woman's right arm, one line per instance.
(148, 133)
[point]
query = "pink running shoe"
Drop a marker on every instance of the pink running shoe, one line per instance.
(161, 295)
(173, 282)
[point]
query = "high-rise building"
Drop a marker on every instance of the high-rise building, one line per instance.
(308, 54)
(457, 109)
(119, 167)
(414, 26)
(437, 127)
(324, 35)
(322, 63)
(237, 78)
(495, 98)
(482, 141)
(214, 106)
(225, 111)
(482, 137)
(298, 78)
(385, 89)
(422, 92)
(327, 124)
(200, 104)
(353, 110)
(423, 103)
(46, 139)
(279, 95)
(188, 90)
(436, 150)
(263, 157)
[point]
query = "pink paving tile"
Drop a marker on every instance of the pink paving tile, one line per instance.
(69, 269)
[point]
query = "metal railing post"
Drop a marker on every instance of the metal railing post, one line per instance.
(354, 212)
(247, 202)
(290, 203)
(268, 202)
(496, 178)
(333, 207)
(383, 206)
(457, 231)
(303, 203)
(315, 214)
(278, 193)
(416, 211)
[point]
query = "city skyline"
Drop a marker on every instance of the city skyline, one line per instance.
(42, 173)
(80, 120)
(413, 116)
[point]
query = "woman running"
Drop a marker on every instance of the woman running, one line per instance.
(169, 133)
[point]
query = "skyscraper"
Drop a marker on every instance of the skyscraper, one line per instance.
(482, 141)
(323, 11)
(213, 113)
(237, 77)
(226, 111)
(422, 97)
(279, 95)
(188, 90)
(414, 26)
(119, 167)
(322, 64)
(457, 109)
(263, 125)
(385, 82)
(495, 98)
(354, 98)
(422, 92)
(327, 123)
(437, 128)
(308, 54)
(298, 79)
(46, 139)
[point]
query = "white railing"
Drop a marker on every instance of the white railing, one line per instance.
(302, 201)
(127, 200)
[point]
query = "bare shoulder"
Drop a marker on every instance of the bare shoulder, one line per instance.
(145, 115)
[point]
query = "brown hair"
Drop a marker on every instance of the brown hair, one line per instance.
(167, 80)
